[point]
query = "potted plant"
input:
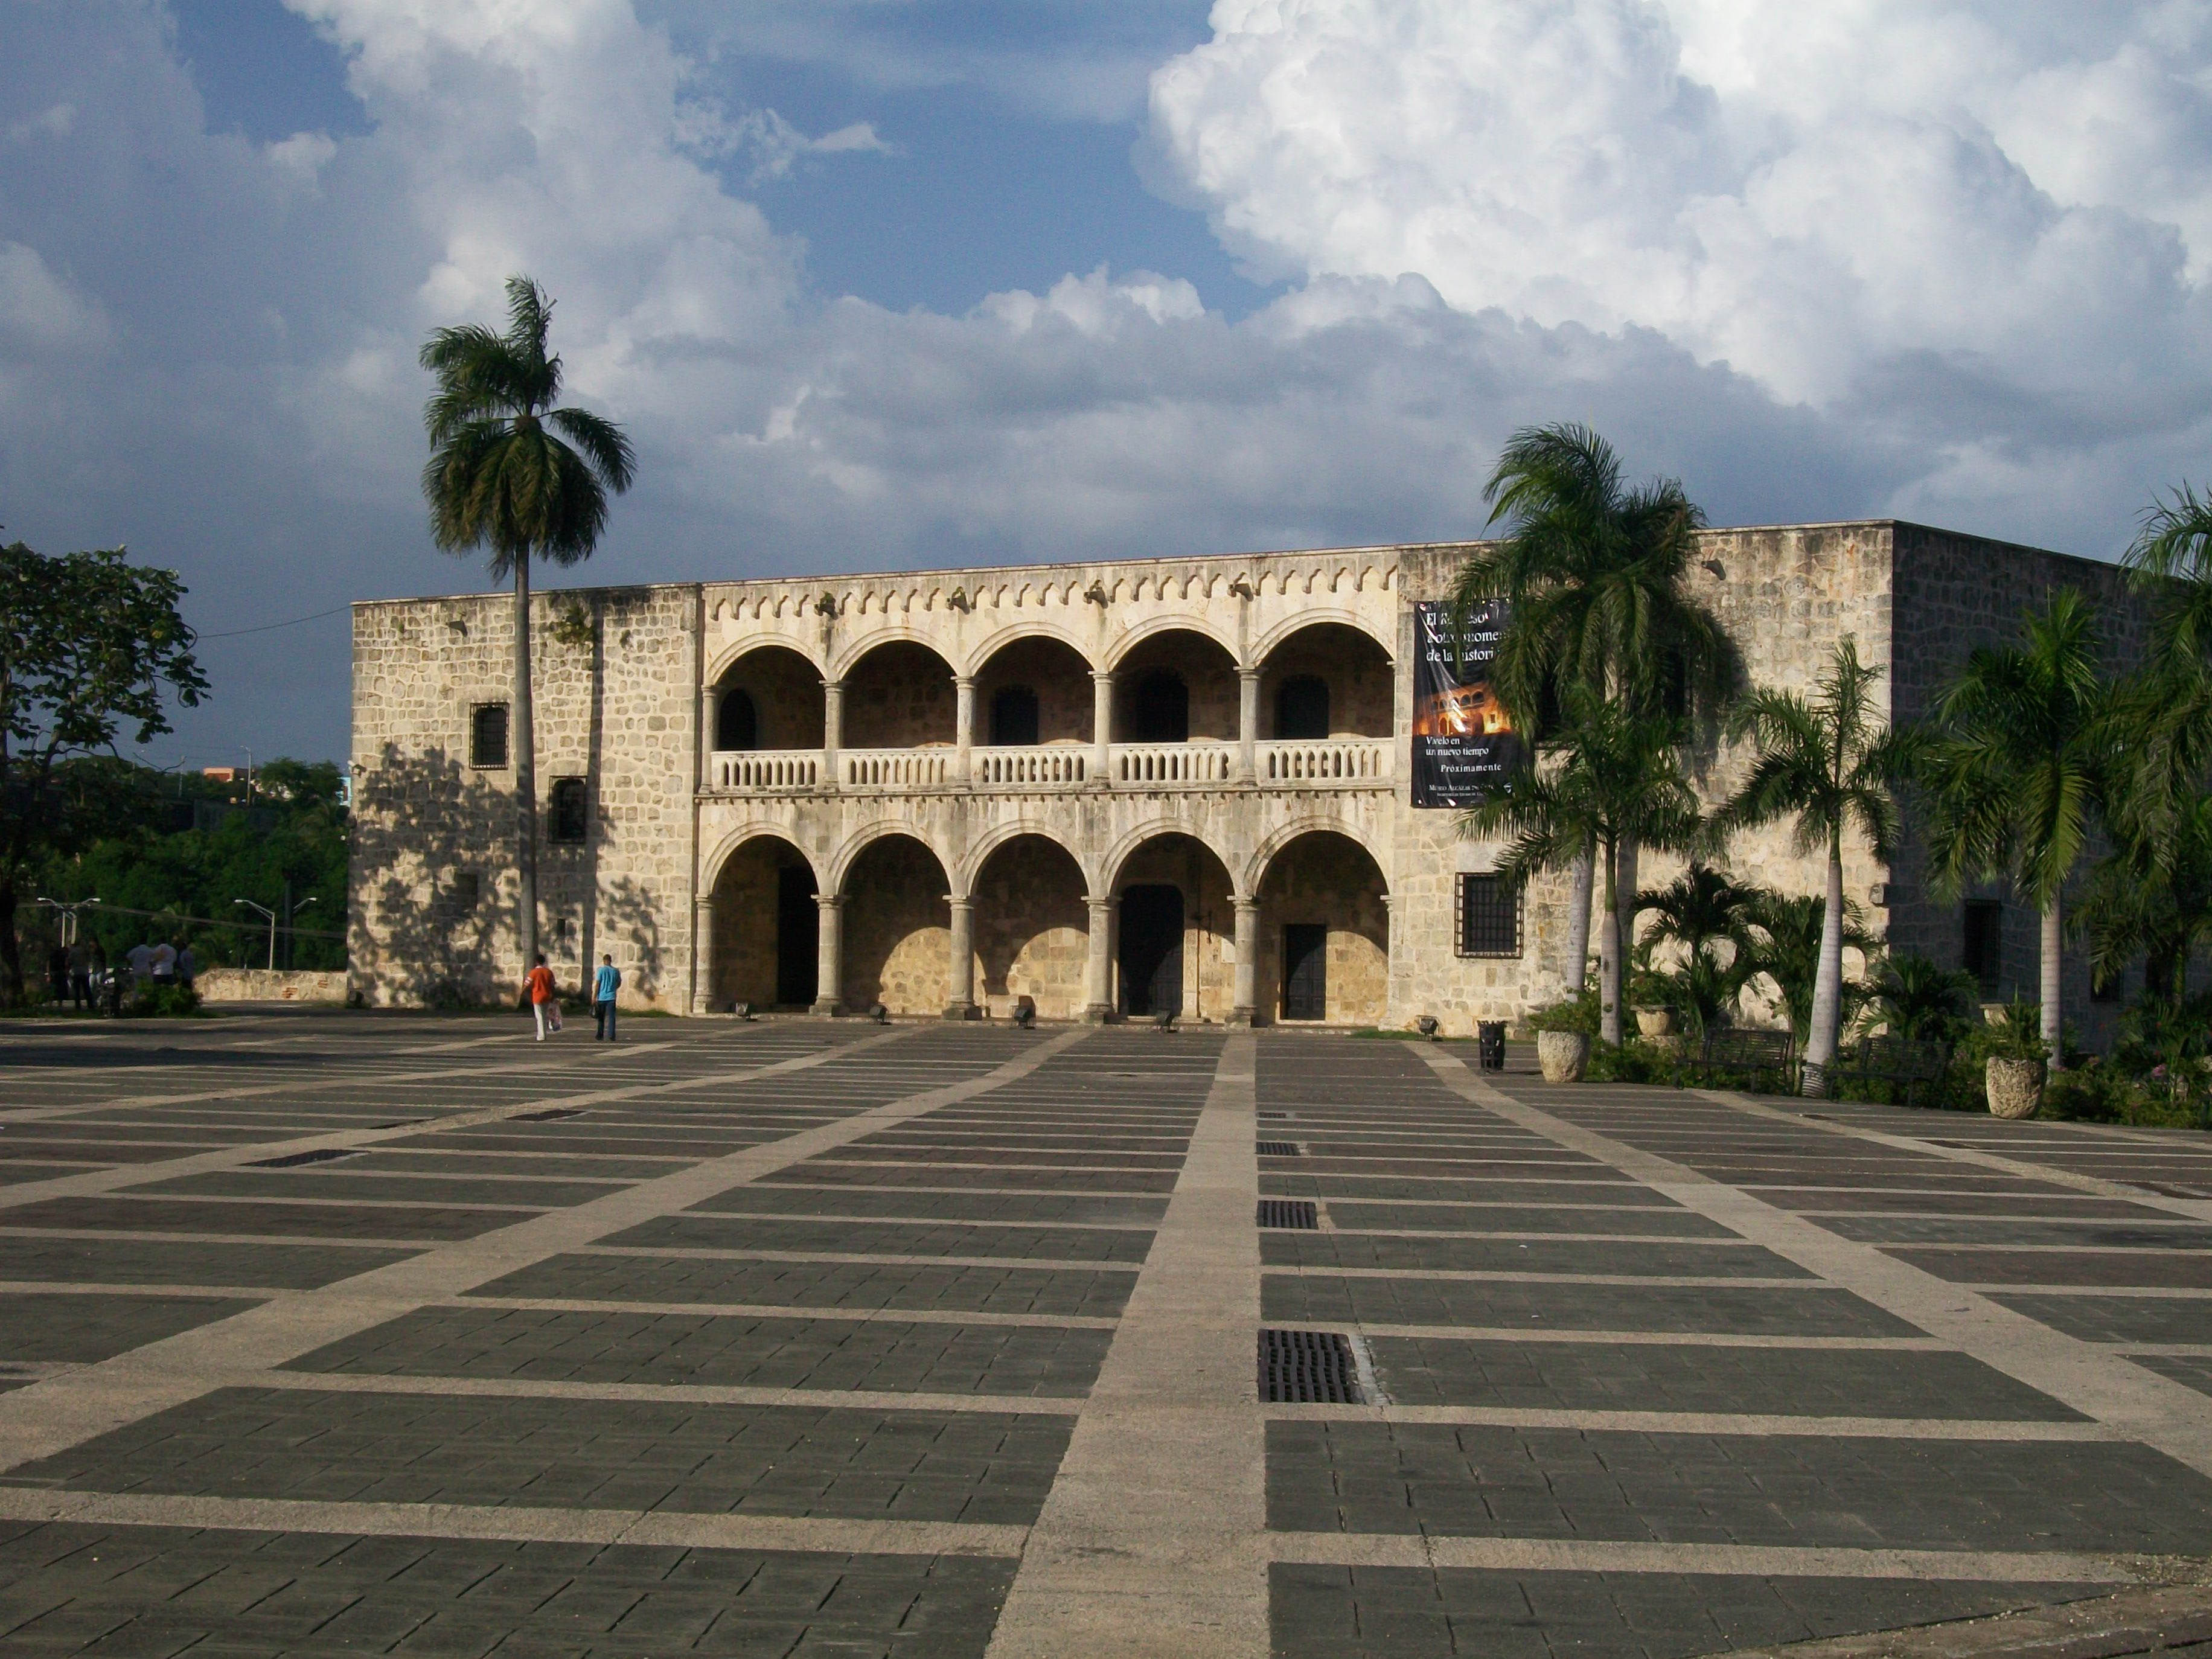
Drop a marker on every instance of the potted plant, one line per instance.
(2015, 1058)
(1651, 994)
(1563, 1038)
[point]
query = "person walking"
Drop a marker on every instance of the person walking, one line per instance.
(188, 964)
(543, 1007)
(604, 984)
(80, 966)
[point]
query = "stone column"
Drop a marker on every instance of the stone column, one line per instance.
(1245, 1010)
(1098, 962)
(962, 1005)
(702, 954)
(828, 971)
(1248, 724)
(963, 727)
(1101, 726)
(709, 696)
(833, 729)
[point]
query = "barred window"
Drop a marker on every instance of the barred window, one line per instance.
(463, 891)
(1983, 951)
(571, 802)
(487, 735)
(1489, 916)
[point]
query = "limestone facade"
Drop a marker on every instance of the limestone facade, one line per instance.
(1101, 786)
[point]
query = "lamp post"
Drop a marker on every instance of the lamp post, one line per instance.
(271, 915)
(68, 908)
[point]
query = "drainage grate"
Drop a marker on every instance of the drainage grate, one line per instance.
(1307, 1366)
(1298, 1212)
(1280, 1116)
(293, 1160)
(1280, 1149)
(548, 1115)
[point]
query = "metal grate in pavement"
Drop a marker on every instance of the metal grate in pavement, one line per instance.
(1307, 1366)
(1298, 1212)
(293, 1160)
(1280, 1149)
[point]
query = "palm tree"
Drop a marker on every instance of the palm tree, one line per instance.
(1592, 573)
(1790, 950)
(1827, 765)
(2151, 896)
(1701, 910)
(2016, 773)
(512, 474)
(1920, 1001)
(1609, 777)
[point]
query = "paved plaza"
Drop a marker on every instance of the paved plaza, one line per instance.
(330, 1334)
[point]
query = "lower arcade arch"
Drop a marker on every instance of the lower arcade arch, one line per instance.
(1031, 929)
(1175, 932)
(897, 929)
(766, 929)
(1324, 934)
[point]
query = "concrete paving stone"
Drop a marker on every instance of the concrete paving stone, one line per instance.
(533, 1601)
(1355, 1249)
(2005, 1205)
(13, 1175)
(1562, 1305)
(817, 1173)
(1286, 1183)
(2092, 1234)
(1480, 1481)
(1761, 1382)
(884, 1238)
(81, 1329)
(122, 1261)
(990, 1469)
(272, 1220)
(100, 1151)
(2194, 1370)
(723, 1350)
(641, 1279)
(2146, 1268)
(1056, 1209)
(1353, 1216)
(543, 1165)
(1397, 1613)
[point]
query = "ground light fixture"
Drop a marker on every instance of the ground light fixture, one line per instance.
(1427, 1025)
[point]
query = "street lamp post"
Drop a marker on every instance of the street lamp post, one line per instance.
(271, 915)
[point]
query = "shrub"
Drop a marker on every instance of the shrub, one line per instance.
(164, 1002)
(1579, 1012)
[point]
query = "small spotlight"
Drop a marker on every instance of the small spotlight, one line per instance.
(742, 1009)
(1024, 1013)
(1164, 1020)
(1427, 1025)
(880, 1014)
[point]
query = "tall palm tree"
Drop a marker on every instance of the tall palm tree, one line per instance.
(512, 474)
(1608, 777)
(1592, 572)
(1699, 910)
(1788, 949)
(2016, 772)
(1828, 766)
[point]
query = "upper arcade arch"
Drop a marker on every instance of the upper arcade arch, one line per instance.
(1126, 644)
(979, 656)
(1335, 669)
(899, 695)
(783, 687)
(1178, 684)
(1035, 689)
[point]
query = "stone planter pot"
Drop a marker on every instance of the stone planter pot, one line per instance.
(1564, 1055)
(1655, 1021)
(2014, 1086)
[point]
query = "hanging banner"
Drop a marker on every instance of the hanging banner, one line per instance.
(1463, 743)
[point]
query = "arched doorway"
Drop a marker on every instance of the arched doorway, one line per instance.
(767, 931)
(770, 698)
(1175, 931)
(1031, 929)
(897, 922)
(1324, 934)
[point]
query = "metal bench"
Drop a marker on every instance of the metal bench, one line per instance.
(1901, 1062)
(1733, 1055)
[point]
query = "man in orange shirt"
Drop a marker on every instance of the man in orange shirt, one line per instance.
(541, 1003)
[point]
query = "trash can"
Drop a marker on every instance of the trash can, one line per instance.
(1490, 1044)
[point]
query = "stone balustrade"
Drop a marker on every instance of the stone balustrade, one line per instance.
(1151, 763)
(1335, 760)
(766, 768)
(895, 769)
(1029, 767)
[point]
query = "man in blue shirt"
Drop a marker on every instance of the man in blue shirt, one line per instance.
(604, 984)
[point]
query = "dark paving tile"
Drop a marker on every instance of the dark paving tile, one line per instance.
(1283, 1183)
(2193, 1369)
(2116, 1318)
(1733, 1489)
(1727, 1310)
(1651, 1376)
(681, 1349)
(147, 1591)
(1353, 1216)
(1352, 1249)
(2089, 1234)
(123, 1261)
(340, 1181)
(566, 1454)
(815, 1173)
(82, 1329)
(1058, 1209)
(820, 1284)
(883, 1238)
(2114, 1268)
(274, 1219)
(1399, 1613)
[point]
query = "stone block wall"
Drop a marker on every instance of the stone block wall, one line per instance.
(1330, 881)
(898, 930)
(899, 697)
(1060, 679)
(787, 693)
(1354, 668)
(1032, 930)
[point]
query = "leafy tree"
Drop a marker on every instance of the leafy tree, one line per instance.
(512, 474)
(90, 649)
(1608, 776)
(2151, 894)
(1592, 573)
(1789, 949)
(1709, 917)
(1825, 765)
(1920, 1001)
(2016, 773)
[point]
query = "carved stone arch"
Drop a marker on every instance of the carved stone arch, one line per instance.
(710, 872)
(1033, 629)
(728, 657)
(841, 666)
(1116, 858)
(1175, 621)
(1255, 868)
(981, 848)
(848, 853)
(1265, 644)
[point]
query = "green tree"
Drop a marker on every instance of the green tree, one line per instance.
(1789, 950)
(1827, 765)
(2016, 769)
(1708, 917)
(1920, 1001)
(512, 474)
(1606, 777)
(1593, 573)
(91, 647)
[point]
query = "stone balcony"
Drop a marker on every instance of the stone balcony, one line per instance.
(1311, 764)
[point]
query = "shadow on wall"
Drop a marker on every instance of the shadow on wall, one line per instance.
(431, 914)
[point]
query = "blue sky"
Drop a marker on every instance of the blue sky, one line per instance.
(883, 282)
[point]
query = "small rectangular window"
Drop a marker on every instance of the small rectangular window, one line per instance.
(464, 888)
(569, 814)
(1489, 916)
(1983, 953)
(2112, 990)
(487, 735)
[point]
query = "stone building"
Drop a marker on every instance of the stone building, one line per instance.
(1109, 788)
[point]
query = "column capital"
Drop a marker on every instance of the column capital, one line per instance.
(964, 682)
(1251, 673)
(960, 901)
(830, 901)
(702, 901)
(1102, 677)
(1244, 903)
(1098, 901)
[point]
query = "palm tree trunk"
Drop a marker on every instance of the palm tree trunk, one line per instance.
(1625, 902)
(1608, 953)
(1574, 968)
(525, 738)
(1827, 983)
(2053, 1022)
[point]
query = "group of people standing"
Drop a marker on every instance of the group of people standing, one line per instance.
(79, 973)
(546, 998)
